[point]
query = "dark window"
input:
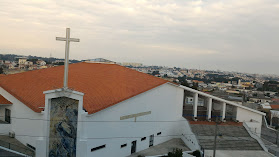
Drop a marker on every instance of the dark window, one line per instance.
(134, 147)
(123, 145)
(159, 133)
(30, 146)
(8, 115)
(97, 148)
(142, 139)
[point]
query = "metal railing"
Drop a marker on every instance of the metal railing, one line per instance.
(17, 148)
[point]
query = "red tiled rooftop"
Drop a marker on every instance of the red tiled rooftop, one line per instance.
(103, 85)
(4, 100)
(274, 106)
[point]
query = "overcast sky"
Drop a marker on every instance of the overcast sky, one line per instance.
(231, 35)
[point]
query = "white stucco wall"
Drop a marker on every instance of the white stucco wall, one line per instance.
(165, 103)
(188, 137)
(244, 115)
(24, 122)
(254, 127)
(4, 129)
(2, 112)
(104, 127)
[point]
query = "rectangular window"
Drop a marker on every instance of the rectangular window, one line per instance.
(142, 139)
(7, 115)
(97, 148)
(123, 145)
(159, 133)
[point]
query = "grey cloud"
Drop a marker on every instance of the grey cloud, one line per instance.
(228, 35)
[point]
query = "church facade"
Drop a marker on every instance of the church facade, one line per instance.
(108, 110)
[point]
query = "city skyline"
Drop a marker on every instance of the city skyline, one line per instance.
(225, 35)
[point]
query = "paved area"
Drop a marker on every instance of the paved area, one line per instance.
(163, 148)
(237, 153)
(269, 135)
(229, 137)
(272, 148)
(14, 144)
(269, 138)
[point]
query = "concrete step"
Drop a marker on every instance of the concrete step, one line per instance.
(232, 137)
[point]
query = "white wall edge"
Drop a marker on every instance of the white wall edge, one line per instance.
(63, 90)
(255, 136)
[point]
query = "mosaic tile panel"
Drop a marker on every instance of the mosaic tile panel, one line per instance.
(63, 127)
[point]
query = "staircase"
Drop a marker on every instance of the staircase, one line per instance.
(229, 137)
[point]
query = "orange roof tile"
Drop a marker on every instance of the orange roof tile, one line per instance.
(103, 85)
(4, 100)
(274, 106)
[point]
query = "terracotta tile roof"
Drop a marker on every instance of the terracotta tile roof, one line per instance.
(4, 100)
(274, 106)
(103, 85)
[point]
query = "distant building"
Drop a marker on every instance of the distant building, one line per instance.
(41, 63)
(190, 101)
(22, 60)
(131, 64)
(100, 60)
(28, 63)
(9, 65)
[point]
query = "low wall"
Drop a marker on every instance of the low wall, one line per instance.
(188, 137)
(254, 135)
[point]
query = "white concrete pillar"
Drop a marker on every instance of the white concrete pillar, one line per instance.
(209, 108)
(195, 105)
(223, 113)
(41, 147)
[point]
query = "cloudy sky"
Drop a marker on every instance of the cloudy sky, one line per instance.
(231, 35)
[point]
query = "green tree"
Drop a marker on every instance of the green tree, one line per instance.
(1, 70)
(175, 153)
(155, 73)
(197, 153)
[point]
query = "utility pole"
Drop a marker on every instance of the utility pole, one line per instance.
(276, 134)
(276, 137)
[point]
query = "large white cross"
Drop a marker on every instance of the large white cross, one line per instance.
(66, 63)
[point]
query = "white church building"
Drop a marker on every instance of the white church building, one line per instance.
(108, 110)
(105, 110)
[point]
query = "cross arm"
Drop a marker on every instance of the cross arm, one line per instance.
(65, 39)
(74, 39)
(61, 39)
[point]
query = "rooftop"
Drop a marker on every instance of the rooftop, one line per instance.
(103, 85)
(163, 148)
(230, 137)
